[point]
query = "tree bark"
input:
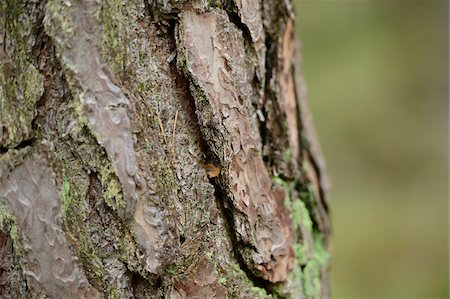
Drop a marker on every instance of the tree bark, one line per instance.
(157, 149)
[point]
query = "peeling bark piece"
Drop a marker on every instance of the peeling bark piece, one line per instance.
(250, 13)
(30, 192)
(151, 233)
(76, 28)
(215, 62)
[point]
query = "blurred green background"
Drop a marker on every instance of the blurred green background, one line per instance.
(377, 77)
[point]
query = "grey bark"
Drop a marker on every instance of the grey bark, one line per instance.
(157, 149)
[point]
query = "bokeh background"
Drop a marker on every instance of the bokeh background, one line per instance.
(377, 77)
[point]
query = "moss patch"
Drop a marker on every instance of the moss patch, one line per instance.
(313, 268)
(9, 226)
(21, 84)
(311, 258)
(112, 189)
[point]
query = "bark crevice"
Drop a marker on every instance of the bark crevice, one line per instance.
(223, 202)
(21, 145)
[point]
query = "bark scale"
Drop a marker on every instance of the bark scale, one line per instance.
(116, 117)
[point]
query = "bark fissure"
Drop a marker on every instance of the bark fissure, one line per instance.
(267, 96)
(236, 20)
(21, 145)
(238, 246)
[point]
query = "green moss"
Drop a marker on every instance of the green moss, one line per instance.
(76, 218)
(307, 195)
(9, 226)
(60, 25)
(122, 46)
(112, 189)
(209, 255)
(22, 84)
(166, 178)
(72, 204)
(22, 88)
(300, 251)
(113, 15)
(91, 257)
(300, 215)
(314, 259)
(288, 154)
(313, 268)
(260, 292)
(279, 181)
(171, 269)
(215, 3)
(222, 280)
(319, 250)
(65, 198)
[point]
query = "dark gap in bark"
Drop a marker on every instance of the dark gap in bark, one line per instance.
(182, 239)
(23, 144)
(139, 285)
(319, 174)
(183, 84)
(311, 205)
(224, 204)
(271, 55)
(36, 51)
(38, 54)
(148, 11)
(49, 66)
(268, 96)
(234, 17)
(151, 10)
(92, 195)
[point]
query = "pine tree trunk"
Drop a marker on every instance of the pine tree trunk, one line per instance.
(157, 149)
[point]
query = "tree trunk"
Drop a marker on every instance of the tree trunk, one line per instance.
(157, 149)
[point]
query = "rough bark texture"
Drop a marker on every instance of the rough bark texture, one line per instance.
(157, 149)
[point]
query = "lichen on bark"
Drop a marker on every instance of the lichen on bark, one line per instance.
(21, 85)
